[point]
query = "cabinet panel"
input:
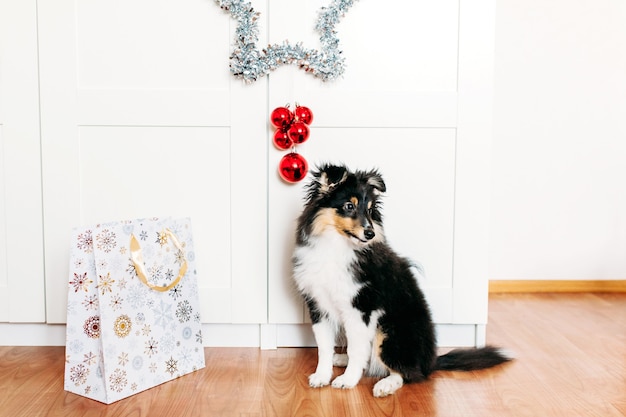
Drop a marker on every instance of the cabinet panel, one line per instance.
(151, 45)
(418, 208)
(408, 46)
(404, 75)
(130, 170)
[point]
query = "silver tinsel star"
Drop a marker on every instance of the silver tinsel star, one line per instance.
(250, 63)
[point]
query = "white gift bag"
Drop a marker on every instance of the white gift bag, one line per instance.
(133, 317)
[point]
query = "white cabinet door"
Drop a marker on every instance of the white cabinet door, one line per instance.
(141, 118)
(21, 234)
(415, 102)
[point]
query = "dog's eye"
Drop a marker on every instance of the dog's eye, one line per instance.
(348, 206)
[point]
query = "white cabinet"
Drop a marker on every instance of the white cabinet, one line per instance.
(140, 117)
(21, 235)
(415, 103)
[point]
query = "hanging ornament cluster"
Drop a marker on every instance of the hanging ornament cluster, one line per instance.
(292, 128)
(250, 63)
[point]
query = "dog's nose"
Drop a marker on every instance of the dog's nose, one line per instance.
(369, 234)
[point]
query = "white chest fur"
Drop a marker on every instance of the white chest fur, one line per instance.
(323, 272)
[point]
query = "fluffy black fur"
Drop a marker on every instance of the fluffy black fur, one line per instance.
(348, 203)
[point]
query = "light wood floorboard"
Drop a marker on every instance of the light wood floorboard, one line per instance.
(570, 361)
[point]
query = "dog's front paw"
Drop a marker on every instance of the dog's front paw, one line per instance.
(345, 382)
(318, 380)
(388, 385)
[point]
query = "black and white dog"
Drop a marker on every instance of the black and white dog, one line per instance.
(353, 281)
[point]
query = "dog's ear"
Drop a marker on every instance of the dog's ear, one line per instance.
(331, 176)
(328, 177)
(375, 180)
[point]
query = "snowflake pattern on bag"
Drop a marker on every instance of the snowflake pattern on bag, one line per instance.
(85, 241)
(80, 282)
(122, 336)
(105, 241)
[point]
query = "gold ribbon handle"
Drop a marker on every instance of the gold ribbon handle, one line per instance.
(140, 268)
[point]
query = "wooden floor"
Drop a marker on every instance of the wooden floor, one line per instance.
(571, 361)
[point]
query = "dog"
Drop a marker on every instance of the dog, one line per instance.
(353, 281)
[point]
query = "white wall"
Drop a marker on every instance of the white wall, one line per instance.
(559, 157)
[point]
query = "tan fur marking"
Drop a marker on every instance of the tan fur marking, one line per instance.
(325, 218)
(378, 342)
(377, 367)
(354, 201)
(343, 224)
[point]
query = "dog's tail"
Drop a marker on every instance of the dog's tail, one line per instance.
(471, 359)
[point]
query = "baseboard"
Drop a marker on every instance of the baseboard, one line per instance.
(556, 286)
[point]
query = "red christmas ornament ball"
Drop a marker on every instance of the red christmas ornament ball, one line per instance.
(281, 117)
(298, 132)
(303, 114)
(281, 139)
(293, 167)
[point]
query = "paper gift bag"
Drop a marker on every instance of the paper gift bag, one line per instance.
(133, 318)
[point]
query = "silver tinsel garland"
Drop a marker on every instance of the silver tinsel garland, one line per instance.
(250, 63)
